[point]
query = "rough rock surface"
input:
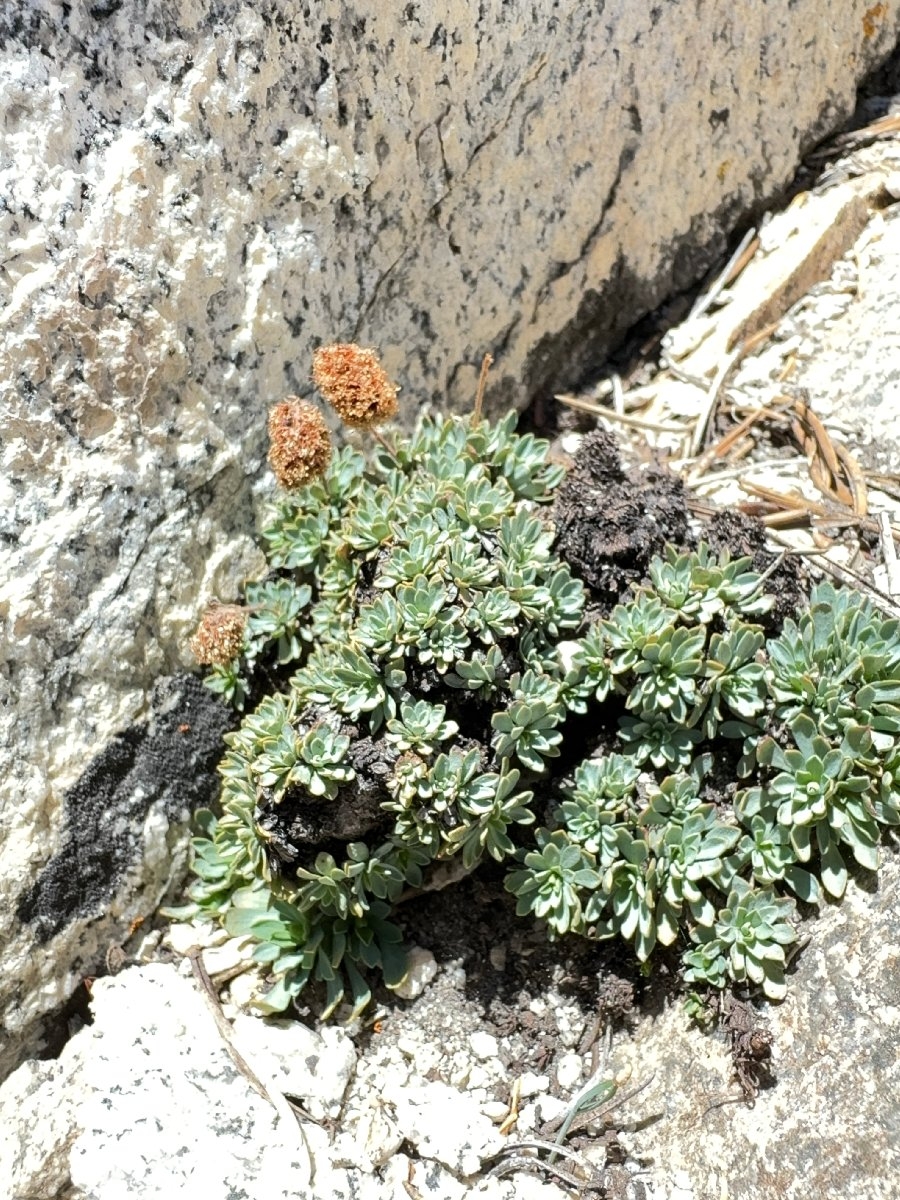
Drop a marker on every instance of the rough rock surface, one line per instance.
(844, 338)
(148, 1098)
(148, 1101)
(830, 1125)
(182, 1114)
(192, 196)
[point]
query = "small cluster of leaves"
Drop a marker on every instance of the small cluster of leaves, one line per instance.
(643, 856)
(425, 607)
(274, 631)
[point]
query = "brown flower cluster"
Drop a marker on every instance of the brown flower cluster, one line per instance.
(299, 442)
(355, 384)
(220, 637)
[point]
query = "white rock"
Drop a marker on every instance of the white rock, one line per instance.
(233, 955)
(160, 1103)
(545, 1109)
(335, 1183)
(244, 988)
(484, 1045)
(496, 1110)
(532, 1085)
(186, 937)
(147, 947)
(459, 1076)
(480, 1078)
(371, 1135)
(520, 1186)
(315, 1066)
(40, 1108)
(443, 1124)
(427, 1179)
(569, 1071)
(422, 969)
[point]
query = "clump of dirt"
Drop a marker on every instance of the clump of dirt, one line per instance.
(789, 581)
(611, 522)
(297, 825)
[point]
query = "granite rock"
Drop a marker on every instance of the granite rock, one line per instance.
(830, 1125)
(146, 1102)
(315, 1067)
(192, 197)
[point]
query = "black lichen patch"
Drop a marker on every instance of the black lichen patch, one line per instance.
(610, 523)
(168, 761)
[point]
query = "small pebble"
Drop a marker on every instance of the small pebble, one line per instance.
(460, 1077)
(478, 1078)
(569, 1037)
(568, 1072)
(245, 987)
(496, 1110)
(233, 956)
(148, 945)
(422, 969)
(484, 1045)
(533, 1085)
(186, 938)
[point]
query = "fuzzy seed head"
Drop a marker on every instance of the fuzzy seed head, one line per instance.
(220, 636)
(299, 442)
(355, 384)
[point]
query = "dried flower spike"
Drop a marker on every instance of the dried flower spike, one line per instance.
(355, 384)
(299, 442)
(220, 637)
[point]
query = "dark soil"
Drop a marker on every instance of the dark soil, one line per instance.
(789, 581)
(510, 969)
(610, 523)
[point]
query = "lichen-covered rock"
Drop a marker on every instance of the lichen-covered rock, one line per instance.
(118, 844)
(194, 195)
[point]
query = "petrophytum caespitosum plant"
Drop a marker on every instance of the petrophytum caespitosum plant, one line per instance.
(432, 691)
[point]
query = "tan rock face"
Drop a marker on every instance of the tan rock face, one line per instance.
(828, 1127)
(195, 196)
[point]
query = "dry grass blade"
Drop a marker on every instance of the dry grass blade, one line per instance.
(705, 416)
(855, 479)
(889, 484)
(815, 441)
(748, 246)
(585, 404)
(728, 440)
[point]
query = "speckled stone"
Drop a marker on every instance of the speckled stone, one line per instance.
(830, 1126)
(194, 195)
